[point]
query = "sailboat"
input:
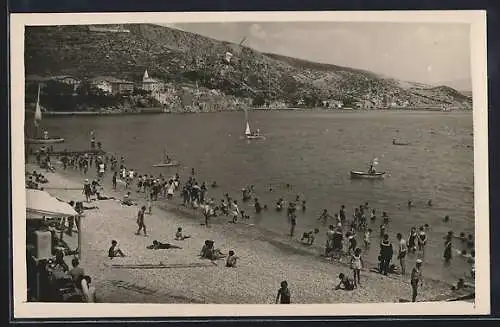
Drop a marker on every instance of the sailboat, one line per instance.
(37, 119)
(248, 132)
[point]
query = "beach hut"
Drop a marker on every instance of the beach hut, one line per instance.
(41, 205)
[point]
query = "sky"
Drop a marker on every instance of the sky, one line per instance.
(431, 53)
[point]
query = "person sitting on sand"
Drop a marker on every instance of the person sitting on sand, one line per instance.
(209, 252)
(179, 236)
(283, 296)
(345, 283)
(308, 237)
(231, 260)
(127, 201)
(101, 196)
(114, 250)
(162, 246)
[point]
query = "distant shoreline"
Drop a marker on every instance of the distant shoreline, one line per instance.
(161, 111)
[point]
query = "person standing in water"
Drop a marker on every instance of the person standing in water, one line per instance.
(412, 240)
(447, 250)
(357, 265)
(422, 240)
(416, 279)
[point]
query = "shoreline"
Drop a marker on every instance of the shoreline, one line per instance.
(266, 258)
(157, 111)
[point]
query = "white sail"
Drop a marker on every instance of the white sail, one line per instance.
(247, 130)
(38, 111)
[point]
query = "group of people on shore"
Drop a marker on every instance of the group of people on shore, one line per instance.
(341, 236)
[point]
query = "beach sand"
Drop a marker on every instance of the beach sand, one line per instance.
(263, 262)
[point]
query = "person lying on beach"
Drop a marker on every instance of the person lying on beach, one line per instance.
(114, 250)
(162, 246)
(179, 236)
(308, 237)
(345, 283)
(127, 201)
(231, 260)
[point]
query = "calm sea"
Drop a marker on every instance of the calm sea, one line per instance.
(313, 152)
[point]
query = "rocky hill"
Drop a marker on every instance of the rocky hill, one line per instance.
(176, 56)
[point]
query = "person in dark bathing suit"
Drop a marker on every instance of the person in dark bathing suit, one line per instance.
(412, 240)
(345, 283)
(283, 296)
(386, 253)
(162, 246)
(447, 249)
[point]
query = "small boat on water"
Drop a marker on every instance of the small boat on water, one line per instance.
(167, 161)
(396, 142)
(37, 119)
(167, 164)
(52, 140)
(367, 175)
(252, 135)
(370, 174)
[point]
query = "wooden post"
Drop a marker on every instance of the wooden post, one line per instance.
(79, 226)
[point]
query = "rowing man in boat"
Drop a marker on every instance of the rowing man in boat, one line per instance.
(166, 158)
(372, 171)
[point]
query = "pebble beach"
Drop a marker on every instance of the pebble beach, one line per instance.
(263, 262)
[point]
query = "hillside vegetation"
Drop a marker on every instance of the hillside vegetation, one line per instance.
(176, 56)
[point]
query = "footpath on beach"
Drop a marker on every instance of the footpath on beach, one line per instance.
(186, 278)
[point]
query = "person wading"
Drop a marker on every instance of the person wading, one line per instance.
(140, 221)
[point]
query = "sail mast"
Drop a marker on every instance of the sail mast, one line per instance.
(38, 113)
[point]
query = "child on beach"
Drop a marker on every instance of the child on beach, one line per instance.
(283, 294)
(447, 249)
(235, 211)
(345, 283)
(367, 238)
(162, 246)
(231, 260)
(357, 265)
(179, 236)
(114, 250)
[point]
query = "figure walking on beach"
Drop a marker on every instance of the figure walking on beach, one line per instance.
(357, 265)
(140, 221)
(402, 253)
(283, 296)
(447, 250)
(115, 175)
(416, 279)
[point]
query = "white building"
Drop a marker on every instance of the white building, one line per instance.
(150, 84)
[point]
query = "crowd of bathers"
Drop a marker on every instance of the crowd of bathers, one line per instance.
(341, 235)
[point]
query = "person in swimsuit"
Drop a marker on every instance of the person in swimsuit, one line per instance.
(412, 240)
(114, 250)
(422, 240)
(402, 252)
(162, 246)
(416, 279)
(140, 221)
(357, 265)
(447, 249)
(345, 283)
(179, 236)
(231, 260)
(283, 296)
(308, 237)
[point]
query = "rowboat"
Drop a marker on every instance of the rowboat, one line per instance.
(365, 175)
(45, 141)
(170, 164)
